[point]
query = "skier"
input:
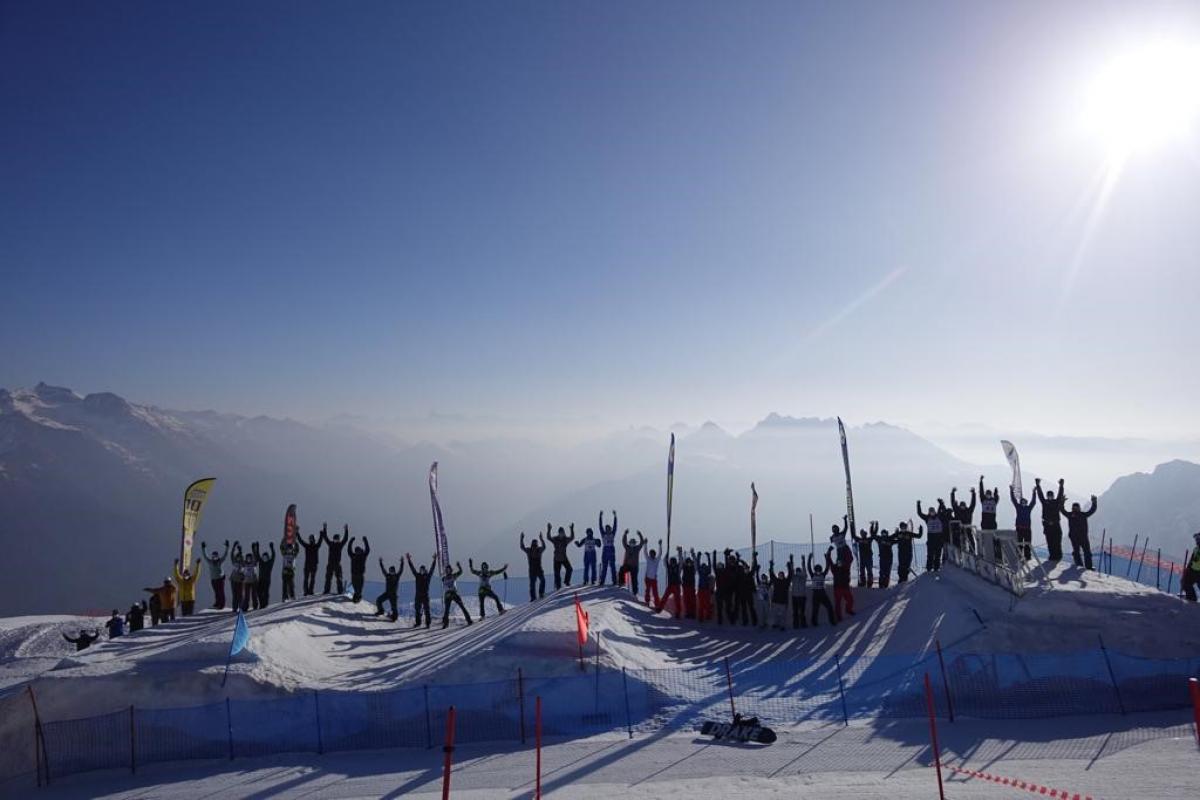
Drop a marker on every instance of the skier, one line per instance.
(988, 500)
(135, 617)
(165, 595)
(216, 573)
(333, 569)
(187, 587)
(652, 560)
(904, 539)
(1077, 532)
(562, 564)
(687, 577)
(1024, 524)
(704, 586)
(422, 577)
(485, 583)
(288, 571)
(115, 625)
(84, 640)
(537, 578)
(312, 557)
(673, 587)
(589, 543)
(937, 538)
(1191, 571)
(884, 542)
(236, 576)
(866, 558)
(450, 595)
(843, 596)
(391, 588)
(1051, 521)
(265, 567)
(798, 578)
(818, 576)
(608, 549)
(358, 566)
(781, 584)
(629, 566)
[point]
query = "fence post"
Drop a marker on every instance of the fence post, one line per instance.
(1132, 553)
(729, 680)
(317, 711)
(945, 680)
(841, 689)
(1112, 675)
(628, 717)
(937, 756)
(1158, 571)
(537, 734)
(428, 721)
(1142, 561)
(229, 725)
(521, 701)
(132, 744)
(41, 757)
(449, 750)
(1194, 689)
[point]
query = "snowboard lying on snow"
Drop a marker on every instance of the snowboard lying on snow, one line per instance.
(742, 729)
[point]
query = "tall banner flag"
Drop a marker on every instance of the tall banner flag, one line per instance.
(670, 489)
(241, 638)
(193, 504)
(1014, 461)
(439, 527)
(753, 521)
(849, 489)
(289, 525)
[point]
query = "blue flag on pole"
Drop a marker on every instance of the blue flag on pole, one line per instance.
(241, 638)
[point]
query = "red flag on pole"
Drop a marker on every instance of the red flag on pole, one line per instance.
(581, 622)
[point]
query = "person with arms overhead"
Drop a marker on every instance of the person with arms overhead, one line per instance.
(422, 577)
(1051, 522)
(1077, 533)
(537, 577)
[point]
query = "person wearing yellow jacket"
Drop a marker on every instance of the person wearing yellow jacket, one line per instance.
(186, 581)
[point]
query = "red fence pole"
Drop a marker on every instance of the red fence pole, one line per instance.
(937, 756)
(449, 750)
(521, 700)
(537, 737)
(729, 680)
(1194, 687)
(38, 746)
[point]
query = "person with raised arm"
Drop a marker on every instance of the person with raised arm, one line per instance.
(608, 548)
(937, 538)
(165, 596)
(84, 640)
(287, 571)
(216, 573)
(186, 581)
(249, 580)
(450, 595)
(780, 585)
(485, 576)
(391, 589)
(1077, 533)
(687, 579)
(989, 499)
(674, 585)
(632, 557)
(843, 595)
(964, 513)
(562, 562)
(537, 577)
(265, 567)
(1024, 523)
(722, 582)
(237, 575)
(1051, 520)
(422, 577)
(652, 558)
(333, 567)
(883, 542)
(358, 566)
(590, 543)
(866, 557)
(312, 558)
(818, 575)
(798, 586)
(704, 586)
(744, 590)
(905, 533)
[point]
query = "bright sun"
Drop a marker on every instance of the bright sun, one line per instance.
(1145, 98)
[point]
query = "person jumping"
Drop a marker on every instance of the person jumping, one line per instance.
(537, 578)
(562, 563)
(333, 569)
(629, 566)
(391, 588)
(358, 566)
(589, 543)
(422, 577)
(485, 576)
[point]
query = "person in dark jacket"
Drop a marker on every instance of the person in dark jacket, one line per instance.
(537, 578)
(391, 588)
(674, 586)
(333, 568)
(485, 575)
(450, 596)
(964, 513)
(1077, 532)
(884, 543)
(704, 586)
(866, 557)
(1191, 571)
(687, 579)
(722, 582)
(266, 565)
(781, 587)
(744, 585)
(287, 572)
(135, 617)
(115, 625)
(817, 576)
(608, 549)
(216, 573)
(988, 501)
(84, 640)
(312, 558)
(937, 537)
(590, 544)
(1024, 524)
(629, 566)
(1051, 520)
(904, 536)
(843, 595)
(562, 560)
(358, 566)
(422, 577)
(799, 591)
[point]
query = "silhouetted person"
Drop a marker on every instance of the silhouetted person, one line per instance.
(537, 578)
(312, 558)
(817, 576)
(358, 567)
(391, 588)
(674, 586)
(485, 576)
(884, 543)
(904, 536)
(450, 595)
(1051, 521)
(422, 577)
(216, 573)
(115, 625)
(1077, 532)
(333, 567)
(265, 567)
(1024, 523)
(937, 538)
(629, 566)
(135, 617)
(866, 556)
(287, 572)
(562, 563)
(988, 501)
(798, 588)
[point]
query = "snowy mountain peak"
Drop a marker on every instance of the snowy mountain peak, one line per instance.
(55, 395)
(780, 422)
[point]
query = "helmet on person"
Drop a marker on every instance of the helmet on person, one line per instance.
(483, 565)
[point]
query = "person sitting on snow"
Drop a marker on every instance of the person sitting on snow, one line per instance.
(84, 640)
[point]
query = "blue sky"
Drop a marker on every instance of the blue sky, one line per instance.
(634, 213)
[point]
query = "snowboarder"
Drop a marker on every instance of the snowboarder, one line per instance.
(485, 576)
(1051, 521)
(358, 566)
(687, 577)
(135, 617)
(651, 581)
(265, 567)
(537, 578)
(1191, 571)
(904, 551)
(629, 566)
(1024, 524)
(673, 587)
(988, 500)
(391, 588)
(843, 595)
(165, 595)
(937, 538)
(704, 586)
(589, 543)
(287, 572)
(608, 549)
(866, 557)
(1077, 533)
(562, 564)
(798, 578)
(312, 557)
(333, 569)
(84, 640)
(450, 595)
(884, 542)
(818, 576)
(216, 573)
(422, 577)
(186, 581)
(781, 585)
(115, 625)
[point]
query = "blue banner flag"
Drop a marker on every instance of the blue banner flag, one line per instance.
(241, 638)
